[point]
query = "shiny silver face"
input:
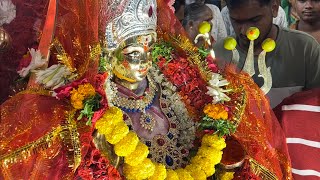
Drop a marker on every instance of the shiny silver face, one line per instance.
(134, 58)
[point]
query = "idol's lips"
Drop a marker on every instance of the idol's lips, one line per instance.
(144, 70)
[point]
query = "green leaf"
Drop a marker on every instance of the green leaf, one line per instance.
(91, 105)
(222, 127)
(203, 52)
(102, 64)
(162, 49)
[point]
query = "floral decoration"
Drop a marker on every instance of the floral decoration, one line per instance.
(25, 61)
(95, 166)
(37, 61)
(191, 88)
(127, 145)
(89, 99)
(7, 12)
(55, 76)
(188, 81)
(216, 111)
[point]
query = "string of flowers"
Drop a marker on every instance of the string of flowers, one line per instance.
(138, 166)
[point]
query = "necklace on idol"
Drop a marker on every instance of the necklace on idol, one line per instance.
(139, 105)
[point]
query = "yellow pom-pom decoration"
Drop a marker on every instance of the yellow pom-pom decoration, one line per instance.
(213, 141)
(205, 164)
(183, 174)
(216, 159)
(108, 121)
(118, 133)
(126, 145)
(210, 153)
(141, 171)
(253, 33)
(196, 172)
(172, 175)
(226, 175)
(230, 43)
(138, 155)
(204, 27)
(160, 172)
(268, 45)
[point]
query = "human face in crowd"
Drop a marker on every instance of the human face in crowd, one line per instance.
(253, 14)
(308, 10)
(193, 25)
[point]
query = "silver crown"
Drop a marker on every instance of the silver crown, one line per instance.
(138, 18)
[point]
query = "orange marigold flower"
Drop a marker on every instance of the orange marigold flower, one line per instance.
(76, 99)
(86, 90)
(216, 111)
(77, 104)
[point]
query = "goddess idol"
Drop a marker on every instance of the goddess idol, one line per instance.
(155, 108)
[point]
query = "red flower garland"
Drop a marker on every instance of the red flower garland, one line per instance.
(191, 87)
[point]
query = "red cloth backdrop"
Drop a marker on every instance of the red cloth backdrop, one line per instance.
(24, 31)
(299, 116)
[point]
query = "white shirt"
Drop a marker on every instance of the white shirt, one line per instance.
(218, 31)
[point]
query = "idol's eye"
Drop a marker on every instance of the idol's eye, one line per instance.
(133, 54)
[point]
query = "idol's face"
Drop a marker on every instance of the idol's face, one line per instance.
(133, 58)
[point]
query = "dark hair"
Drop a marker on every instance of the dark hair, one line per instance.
(193, 11)
(236, 3)
(178, 3)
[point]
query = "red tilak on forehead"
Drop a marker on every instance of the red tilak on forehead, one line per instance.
(125, 63)
(146, 47)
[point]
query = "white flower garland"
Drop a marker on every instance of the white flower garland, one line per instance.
(215, 88)
(55, 76)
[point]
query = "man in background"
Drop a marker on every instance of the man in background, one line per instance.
(280, 20)
(309, 15)
(295, 61)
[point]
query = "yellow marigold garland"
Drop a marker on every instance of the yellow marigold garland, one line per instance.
(142, 171)
(138, 155)
(138, 166)
(160, 173)
(226, 175)
(183, 174)
(119, 131)
(172, 175)
(213, 141)
(126, 145)
(196, 172)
